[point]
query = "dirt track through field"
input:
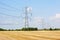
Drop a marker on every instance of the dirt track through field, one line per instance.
(29, 35)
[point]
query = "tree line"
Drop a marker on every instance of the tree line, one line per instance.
(28, 29)
(23, 29)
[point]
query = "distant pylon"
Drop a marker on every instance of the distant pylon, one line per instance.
(27, 11)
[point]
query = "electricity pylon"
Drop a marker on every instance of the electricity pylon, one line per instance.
(27, 11)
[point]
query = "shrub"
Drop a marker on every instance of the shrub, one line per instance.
(29, 29)
(2, 29)
(50, 29)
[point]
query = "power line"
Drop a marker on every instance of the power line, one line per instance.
(5, 9)
(9, 15)
(8, 9)
(8, 6)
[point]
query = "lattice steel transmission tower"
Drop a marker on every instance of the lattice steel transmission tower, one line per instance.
(27, 11)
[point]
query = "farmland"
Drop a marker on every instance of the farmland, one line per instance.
(29, 35)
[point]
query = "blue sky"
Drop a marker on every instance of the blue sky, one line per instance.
(44, 12)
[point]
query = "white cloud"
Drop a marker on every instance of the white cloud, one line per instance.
(5, 20)
(55, 18)
(57, 15)
(36, 21)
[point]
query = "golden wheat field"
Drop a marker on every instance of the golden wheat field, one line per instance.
(29, 35)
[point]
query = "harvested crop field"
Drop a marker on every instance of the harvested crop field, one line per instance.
(29, 35)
